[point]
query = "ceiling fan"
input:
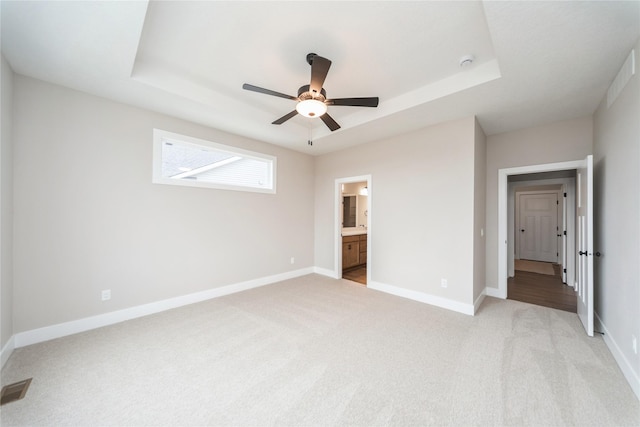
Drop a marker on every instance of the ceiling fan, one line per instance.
(312, 98)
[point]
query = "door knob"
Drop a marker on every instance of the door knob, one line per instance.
(597, 254)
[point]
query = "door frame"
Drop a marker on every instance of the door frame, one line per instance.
(568, 187)
(503, 213)
(337, 215)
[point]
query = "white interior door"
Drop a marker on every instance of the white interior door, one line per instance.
(584, 211)
(539, 227)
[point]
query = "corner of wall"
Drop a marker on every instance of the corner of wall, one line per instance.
(7, 350)
(6, 207)
(479, 210)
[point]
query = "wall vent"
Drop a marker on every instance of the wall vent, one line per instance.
(624, 75)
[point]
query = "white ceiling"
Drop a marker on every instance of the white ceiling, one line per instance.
(536, 62)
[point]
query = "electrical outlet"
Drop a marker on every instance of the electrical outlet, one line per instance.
(293, 260)
(634, 343)
(443, 283)
(106, 295)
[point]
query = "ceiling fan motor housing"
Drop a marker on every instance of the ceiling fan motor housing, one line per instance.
(304, 93)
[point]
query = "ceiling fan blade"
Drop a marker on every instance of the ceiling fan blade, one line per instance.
(354, 102)
(319, 69)
(253, 88)
(328, 120)
(284, 118)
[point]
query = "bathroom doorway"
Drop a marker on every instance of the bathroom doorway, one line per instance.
(353, 229)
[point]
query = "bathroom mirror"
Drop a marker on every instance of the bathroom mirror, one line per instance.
(355, 204)
(349, 211)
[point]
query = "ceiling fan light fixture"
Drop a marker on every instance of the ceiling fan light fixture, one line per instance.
(311, 108)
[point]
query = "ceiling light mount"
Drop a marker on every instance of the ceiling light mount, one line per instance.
(466, 60)
(310, 57)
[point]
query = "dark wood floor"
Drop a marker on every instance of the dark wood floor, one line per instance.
(356, 274)
(542, 289)
(534, 288)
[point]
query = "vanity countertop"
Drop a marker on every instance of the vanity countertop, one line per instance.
(354, 231)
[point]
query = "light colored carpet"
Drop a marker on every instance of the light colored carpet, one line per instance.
(534, 267)
(314, 351)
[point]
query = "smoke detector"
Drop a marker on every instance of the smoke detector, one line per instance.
(466, 60)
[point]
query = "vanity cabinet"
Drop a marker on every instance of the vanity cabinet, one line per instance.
(354, 250)
(350, 251)
(363, 249)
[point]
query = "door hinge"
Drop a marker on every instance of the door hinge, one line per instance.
(565, 232)
(557, 254)
(564, 270)
(557, 202)
(565, 195)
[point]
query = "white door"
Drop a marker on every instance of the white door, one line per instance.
(539, 227)
(584, 261)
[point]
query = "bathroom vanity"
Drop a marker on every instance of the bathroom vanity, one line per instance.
(354, 248)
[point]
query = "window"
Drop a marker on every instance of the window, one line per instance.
(183, 160)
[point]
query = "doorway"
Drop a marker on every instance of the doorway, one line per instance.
(353, 229)
(559, 178)
(579, 246)
(582, 211)
(540, 232)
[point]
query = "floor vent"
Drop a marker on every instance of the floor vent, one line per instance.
(16, 391)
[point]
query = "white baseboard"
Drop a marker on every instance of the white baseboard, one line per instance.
(326, 272)
(7, 350)
(625, 366)
(478, 301)
(494, 292)
(76, 326)
(422, 297)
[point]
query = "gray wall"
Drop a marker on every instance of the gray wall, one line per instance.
(617, 219)
(557, 142)
(422, 199)
(88, 218)
(6, 205)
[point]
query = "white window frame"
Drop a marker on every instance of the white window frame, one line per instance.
(160, 136)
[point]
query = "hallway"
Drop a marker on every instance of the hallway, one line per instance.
(542, 289)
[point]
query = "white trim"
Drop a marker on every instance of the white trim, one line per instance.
(159, 136)
(326, 272)
(422, 297)
(478, 301)
(503, 175)
(625, 366)
(7, 350)
(75, 326)
(493, 292)
(337, 250)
